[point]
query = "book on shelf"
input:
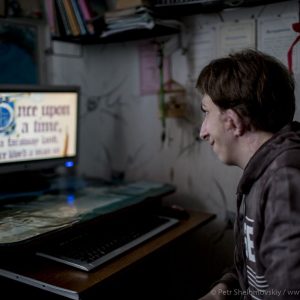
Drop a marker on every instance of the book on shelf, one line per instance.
(97, 9)
(51, 16)
(74, 25)
(87, 15)
(71, 18)
(78, 18)
(64, 27)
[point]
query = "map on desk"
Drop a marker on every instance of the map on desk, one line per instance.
(22, 220)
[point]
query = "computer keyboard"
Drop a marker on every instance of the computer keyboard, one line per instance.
(89, 250)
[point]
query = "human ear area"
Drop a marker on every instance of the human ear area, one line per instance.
(234, 123)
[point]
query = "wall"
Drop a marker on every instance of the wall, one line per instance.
(120, 134)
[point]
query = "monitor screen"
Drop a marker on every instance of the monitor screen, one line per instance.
(38, 127)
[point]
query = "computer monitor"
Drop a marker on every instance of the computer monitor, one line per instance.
(38, 127)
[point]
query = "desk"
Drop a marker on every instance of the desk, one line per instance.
(71, 283)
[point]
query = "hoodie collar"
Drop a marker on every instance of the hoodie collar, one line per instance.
(286, 138)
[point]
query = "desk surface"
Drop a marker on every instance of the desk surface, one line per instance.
(59, 207)
(71, 283)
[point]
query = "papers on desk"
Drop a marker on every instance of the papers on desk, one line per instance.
(19, 222)
(22, 220)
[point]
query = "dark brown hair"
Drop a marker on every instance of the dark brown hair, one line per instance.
(258, 87)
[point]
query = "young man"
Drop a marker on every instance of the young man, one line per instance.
(249, 105)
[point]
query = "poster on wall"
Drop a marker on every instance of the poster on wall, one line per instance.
(236, 35)
(275, 36)
(19, 57)
(202, 48)
(149, 69)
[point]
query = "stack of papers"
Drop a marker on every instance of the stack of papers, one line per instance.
(133, 18)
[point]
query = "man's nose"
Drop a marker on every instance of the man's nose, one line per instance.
(203, 132)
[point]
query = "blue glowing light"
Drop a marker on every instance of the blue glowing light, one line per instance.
(69, 164)
(71, 199)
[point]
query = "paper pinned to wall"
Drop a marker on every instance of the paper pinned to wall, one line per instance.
(236, 35)
(149, 69)
(202, 48)
(275, 36)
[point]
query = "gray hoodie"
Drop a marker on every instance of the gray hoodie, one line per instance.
(267, 228)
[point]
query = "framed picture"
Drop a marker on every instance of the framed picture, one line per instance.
(20, 52)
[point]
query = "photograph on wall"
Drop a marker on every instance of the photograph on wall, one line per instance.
(19, 59)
